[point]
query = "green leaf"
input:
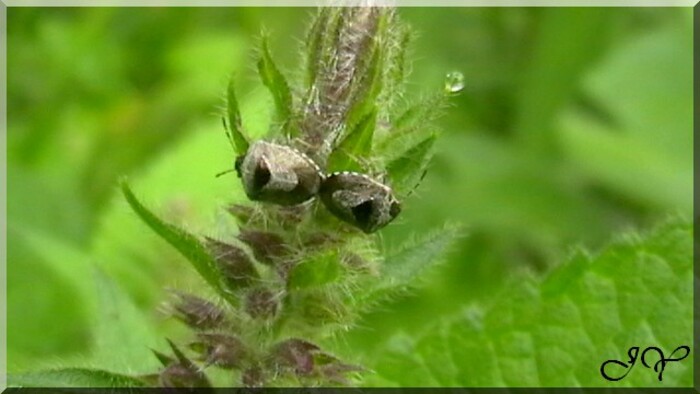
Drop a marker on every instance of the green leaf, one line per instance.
(46, 282)
(273, 79)
(413, 125)
(179, 181)
(397, 58)
(406, 171)
(314, 44)
(185, 243)
(420, 113)
(554, 70)
(336, 21)
(508, 195)
(73, 377)
(356, 145)
(558, 331)
(235, 133)
(646, 152)
(368, 87)
(404, 268)
(135, 256)
(123, 334)
(316, 271)
(596, 151)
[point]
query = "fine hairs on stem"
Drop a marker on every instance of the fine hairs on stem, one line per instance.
(330, 173)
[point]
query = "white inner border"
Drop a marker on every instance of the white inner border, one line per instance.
(222, 3)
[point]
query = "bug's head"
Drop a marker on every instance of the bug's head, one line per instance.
(238, 163)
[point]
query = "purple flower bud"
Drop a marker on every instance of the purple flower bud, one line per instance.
(242, 213)
(321, 239)
(234, 264)
(253, 377)
(178, 375)
(197, 312)
(182, 372)
(222, 350)
(289, 216)
(335, 371)
(267, 247)
(356, 262)
(296, 354)
(261, 303)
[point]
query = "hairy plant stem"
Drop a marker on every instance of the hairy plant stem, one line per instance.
(297, 272)
(339, 69)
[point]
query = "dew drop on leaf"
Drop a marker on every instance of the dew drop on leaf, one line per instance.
(454, 82)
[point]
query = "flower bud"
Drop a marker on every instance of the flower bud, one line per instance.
(242, 213)
(178, 375)
(333, 370)
(267, 247)
(261, 303)
(235, 265)
(253, 377)
(319, 240)
(197, 312)
(182, 372)
(356, 262)
(225, 351)
(296, 354)
(291, 216)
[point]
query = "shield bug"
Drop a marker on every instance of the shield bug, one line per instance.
(278, 174)
(359, 200)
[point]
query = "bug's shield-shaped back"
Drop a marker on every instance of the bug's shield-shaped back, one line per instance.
(278, 174)
(359, 200)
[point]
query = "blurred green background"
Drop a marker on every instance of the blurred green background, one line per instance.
(575, 124)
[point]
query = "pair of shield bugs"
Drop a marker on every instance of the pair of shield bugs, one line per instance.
(282, 175)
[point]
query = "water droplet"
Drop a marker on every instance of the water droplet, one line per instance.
(454, 82)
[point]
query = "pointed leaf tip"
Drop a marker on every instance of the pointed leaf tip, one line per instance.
(355, 146)
(276, 83)
(164, 359)
(185, 243)
(178, 353)
(235, 124)
(407, 170)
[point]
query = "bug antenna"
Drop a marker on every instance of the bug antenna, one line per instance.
(225, 172)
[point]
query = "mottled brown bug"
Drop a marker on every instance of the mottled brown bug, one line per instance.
(278, 174)
(359, 200)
